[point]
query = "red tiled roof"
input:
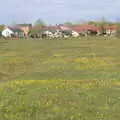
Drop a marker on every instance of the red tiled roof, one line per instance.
(85, 27)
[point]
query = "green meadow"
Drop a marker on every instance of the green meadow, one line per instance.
(60, 79)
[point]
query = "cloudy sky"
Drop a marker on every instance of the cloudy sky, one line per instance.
(57, 11)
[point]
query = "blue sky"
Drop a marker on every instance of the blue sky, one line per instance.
(57, 11)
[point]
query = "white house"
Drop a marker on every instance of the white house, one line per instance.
(49, 34)
(7, 32)
(75, 34)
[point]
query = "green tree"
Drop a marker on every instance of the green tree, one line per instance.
(38, 27)
(95, 23)
(2, 27)
(39, 22)
(68, 23)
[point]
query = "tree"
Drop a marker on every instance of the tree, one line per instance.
(38, 27)
(39, 22)
(68, 23)
(2, 27)
(95, 23)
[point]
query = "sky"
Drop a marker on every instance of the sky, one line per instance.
(57, 11)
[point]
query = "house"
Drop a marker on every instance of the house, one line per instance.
(7, 32)
(51, 28)
(111, 30)
(67, 31)
(53, 31)
(25, 27)
(12, 32)
(49, 34)
(86, 29)
(75, 34)
(64, 27)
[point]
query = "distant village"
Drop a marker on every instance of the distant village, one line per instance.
(23, 31)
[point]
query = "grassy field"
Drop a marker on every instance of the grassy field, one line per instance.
(70, 79)
(71, 59)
